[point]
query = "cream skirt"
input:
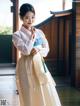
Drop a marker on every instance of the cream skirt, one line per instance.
(36, 87)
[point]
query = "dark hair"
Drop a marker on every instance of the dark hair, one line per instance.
(26, 8)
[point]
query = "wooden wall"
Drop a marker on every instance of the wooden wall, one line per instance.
(78, 44)
(57, 30)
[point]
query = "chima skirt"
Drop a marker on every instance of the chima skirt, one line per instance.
(34, 82)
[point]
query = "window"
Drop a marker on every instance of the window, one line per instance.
(5, 17)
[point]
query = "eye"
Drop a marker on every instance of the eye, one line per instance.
(26, 17)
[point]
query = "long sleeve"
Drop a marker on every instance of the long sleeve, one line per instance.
(44, 48)
(24, 46)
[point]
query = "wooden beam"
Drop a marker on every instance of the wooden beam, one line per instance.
(78, 44)
(75, 54)
(63, 4)
(14, 9)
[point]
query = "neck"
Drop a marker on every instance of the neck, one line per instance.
(29, 28)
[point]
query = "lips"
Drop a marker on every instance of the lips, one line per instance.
(29, 23)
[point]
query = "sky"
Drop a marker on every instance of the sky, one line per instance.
(42, 8)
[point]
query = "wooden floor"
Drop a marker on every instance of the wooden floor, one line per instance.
(69, 96)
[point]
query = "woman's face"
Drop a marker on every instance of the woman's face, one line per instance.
(28, 19)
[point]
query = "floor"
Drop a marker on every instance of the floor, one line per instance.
(8, 91)
(8, 96)
(69, 96)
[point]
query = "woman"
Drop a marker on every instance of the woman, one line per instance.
(35, 85)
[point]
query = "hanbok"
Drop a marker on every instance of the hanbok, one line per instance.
(34, 82)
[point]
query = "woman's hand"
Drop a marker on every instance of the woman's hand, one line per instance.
(34, 51)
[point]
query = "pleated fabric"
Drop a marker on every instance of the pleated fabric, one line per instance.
(35, 85)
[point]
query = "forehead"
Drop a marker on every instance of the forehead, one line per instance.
(29, 14)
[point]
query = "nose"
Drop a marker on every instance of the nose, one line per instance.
(30, 19)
